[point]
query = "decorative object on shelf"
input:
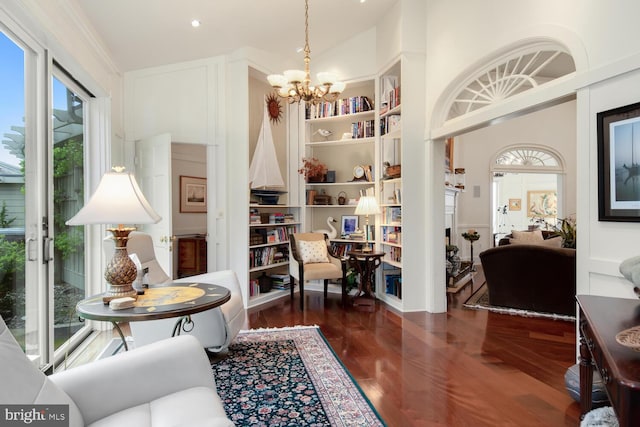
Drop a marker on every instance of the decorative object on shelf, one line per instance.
(313, 169)
(193, 194)
(347, 135)
(331, 176)
(367, 205)
(118, 200)
(391, 171)
(274, 108)
(349, 225)
(471, 236)
(322, 199)
(459, 178)
(342, 198)
(331, 232)
(264, 170)
(294, 85)
(361, 173)
(324, 132)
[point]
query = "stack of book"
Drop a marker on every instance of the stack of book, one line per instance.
(280, 282)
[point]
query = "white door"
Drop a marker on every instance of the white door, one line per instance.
(153, 172)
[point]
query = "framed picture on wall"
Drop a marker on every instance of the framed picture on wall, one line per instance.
(542, 203)
(619, 164)
(448, 154)
(515, 204)
(193, 194)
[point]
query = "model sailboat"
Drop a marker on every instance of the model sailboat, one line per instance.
(264, 170)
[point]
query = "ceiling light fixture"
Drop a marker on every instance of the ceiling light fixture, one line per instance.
(195, 23)
(294, 85)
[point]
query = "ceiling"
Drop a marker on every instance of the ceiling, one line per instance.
(146, 33)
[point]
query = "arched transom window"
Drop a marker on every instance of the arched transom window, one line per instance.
(527, 158)
(510, 75)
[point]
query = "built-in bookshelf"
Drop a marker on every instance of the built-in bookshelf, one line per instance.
(342, 135)
(268, 252)
(390, 184)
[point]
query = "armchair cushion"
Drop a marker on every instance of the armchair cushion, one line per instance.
(313, 251)
(527, 236)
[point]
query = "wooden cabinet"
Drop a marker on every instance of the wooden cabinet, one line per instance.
(192, 256)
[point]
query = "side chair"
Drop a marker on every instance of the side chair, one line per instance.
(311, 258)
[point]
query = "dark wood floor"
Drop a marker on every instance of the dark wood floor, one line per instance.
(462, 368)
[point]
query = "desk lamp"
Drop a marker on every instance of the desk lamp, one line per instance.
(117, 200)
(367, 205)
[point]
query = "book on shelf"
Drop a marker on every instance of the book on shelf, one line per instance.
(339, 107)
(393, 215)
(392, 279)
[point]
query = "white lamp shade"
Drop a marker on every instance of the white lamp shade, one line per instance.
(277, 80)
(337, 87)
(117, 200)
(327, 78)
(295, 76)
(367, 205)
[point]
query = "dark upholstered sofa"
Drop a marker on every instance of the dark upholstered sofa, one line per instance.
(531, 277)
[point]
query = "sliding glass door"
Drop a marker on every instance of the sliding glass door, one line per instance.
(42, 152)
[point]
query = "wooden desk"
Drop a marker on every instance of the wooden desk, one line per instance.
(601, 318)
(158, 302)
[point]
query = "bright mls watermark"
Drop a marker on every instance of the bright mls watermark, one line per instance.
(34, 415)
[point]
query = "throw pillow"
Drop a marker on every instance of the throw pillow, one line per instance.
(313, 251)
(554, 242)
(529, 236)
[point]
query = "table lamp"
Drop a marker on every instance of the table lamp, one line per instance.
(117, 200)
(367, 205)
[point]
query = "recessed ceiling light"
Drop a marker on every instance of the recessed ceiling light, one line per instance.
(362, 1)
(195, 23)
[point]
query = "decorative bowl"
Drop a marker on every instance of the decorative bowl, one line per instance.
(630, 338)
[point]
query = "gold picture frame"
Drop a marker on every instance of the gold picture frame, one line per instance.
(448, 154)
(193, 194)
(515, 204)
(542, 204)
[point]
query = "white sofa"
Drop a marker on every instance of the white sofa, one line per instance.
(168, 383)
(215, 328)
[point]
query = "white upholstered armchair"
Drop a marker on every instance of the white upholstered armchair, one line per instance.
(311, 259)
(215, 328)
(168, 383)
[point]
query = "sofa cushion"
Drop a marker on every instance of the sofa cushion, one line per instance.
(553, 242)
(528, 236)
(313, 251)
(199, 407)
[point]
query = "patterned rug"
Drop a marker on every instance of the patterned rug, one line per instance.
(289, 377)
(480, 301)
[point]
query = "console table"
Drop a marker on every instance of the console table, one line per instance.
(601, 318)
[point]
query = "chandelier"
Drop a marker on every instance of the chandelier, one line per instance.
(294, 85)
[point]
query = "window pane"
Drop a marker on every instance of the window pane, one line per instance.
(68, 198)
(12, 191)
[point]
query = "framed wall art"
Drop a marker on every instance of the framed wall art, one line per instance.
(448, 154)
(619, 164)
(193, 194)
(542, 204)
(515, 204)
(349, 224)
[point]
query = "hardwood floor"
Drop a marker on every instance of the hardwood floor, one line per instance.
(460, 368)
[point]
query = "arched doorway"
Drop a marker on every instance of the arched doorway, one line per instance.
(528, 76)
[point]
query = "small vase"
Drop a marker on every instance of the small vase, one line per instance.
(318, 178)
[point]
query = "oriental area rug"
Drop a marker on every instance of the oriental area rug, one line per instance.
(289, 377)
(480, 301)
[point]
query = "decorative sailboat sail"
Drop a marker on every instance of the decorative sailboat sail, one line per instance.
(264, 170)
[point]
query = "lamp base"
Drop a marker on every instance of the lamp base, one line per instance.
(121, 271)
